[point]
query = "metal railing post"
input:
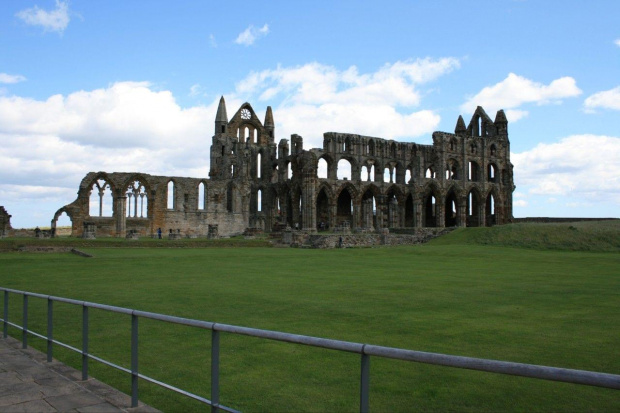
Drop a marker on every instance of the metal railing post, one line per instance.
(134, 360)
(365, 383)
(84, 342)
(50, 328)
(215, 371)
(25, 323)
(6, 315)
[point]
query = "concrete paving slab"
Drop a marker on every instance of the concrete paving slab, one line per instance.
(29, 384)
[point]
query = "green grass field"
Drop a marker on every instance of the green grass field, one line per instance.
(534, 302)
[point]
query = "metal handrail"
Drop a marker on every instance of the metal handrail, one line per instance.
(606, 380)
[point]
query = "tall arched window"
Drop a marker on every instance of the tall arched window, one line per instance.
(259, 166)
(100, 202)
(202, 195)
(259, 200)
(137, 200)
(322, 168)
(344, 169)
(171, 201)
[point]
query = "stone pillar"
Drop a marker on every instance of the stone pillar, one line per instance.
(120, 205)
(440, 212)
(417, 212)
(462, 212)
(308, 202)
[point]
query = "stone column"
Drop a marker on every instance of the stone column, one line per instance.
(309, 200)
(120, 205)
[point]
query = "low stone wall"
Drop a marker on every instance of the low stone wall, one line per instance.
(421, 235)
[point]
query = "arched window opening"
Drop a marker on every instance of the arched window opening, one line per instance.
(371, 173)
(490, 210)
(322, 211)
(64, 225)
(387, 177)
(344, 169)
(493, 150)
(259, 166)
(367, 147)
(246, 133)
(201, 196)
(259, 200)
(492, 173)
(470, 201)
(371, 147)
(347, 144)
(479, 126)
(344, 211)
(452, 145)
(451, 210)
(364, 173)
(430, 173)
(137, 201)
(171, 204)
(408, 176)
(100, 201)
(430, 210)
(473, 149)
(321, 169)
(289, 171)
(254, 136)
(239, 135)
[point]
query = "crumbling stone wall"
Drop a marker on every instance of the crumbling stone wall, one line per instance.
(5, 222)
(463, 179)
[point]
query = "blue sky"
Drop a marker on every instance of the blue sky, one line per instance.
(133, 86)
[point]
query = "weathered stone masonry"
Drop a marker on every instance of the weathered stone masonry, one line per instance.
(464, 178)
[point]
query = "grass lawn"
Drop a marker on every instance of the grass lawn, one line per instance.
(533, 305)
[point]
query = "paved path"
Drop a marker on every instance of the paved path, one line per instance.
(29, 384)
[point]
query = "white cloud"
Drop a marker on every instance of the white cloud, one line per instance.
(318, 98)
(48, 145)
(608, 99)
(55, 20)
(6, 78)
(251, 34)
(520, 203)
(573, 168)
(617, 42)
(516, 90)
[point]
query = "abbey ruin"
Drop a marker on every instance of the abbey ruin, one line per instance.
(362, 183)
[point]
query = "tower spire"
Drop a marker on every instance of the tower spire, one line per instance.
(460, 126)
(269, 124)
(221, 118)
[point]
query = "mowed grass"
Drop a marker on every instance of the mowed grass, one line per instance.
(540, 306)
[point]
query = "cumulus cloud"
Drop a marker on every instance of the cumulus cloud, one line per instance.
(9, 79)
(515, 90)
(317, 98)
(251, 34)
(55, 20)
(580, 167)
(608, 99)
(48, 145)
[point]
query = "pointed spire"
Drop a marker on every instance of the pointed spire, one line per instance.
(501, 117)
(460, 126)
(221, 115)
(269, 118)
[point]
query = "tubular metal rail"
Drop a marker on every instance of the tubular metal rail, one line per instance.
(611, 381)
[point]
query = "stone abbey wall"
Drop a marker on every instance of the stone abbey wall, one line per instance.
(355, 183)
